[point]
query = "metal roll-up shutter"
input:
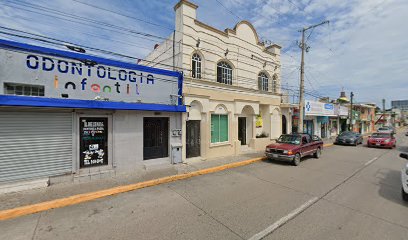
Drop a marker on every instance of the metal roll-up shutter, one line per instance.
(34, 145)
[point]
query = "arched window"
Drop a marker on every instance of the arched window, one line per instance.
(224, 73)
(196, 66)
(263, 82)
(274, 83)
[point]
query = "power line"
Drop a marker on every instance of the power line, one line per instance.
(124, 15)
(114, 25)
(138, 19)
(85, 19)
(120, 14)
(232, 13)
(212, 87)
(62, 43)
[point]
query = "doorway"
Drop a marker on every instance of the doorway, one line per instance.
(193, 138)
(155, 138)
(284, 129)
(242, 130)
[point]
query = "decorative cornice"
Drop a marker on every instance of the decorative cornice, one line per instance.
(228, 31)
(208, 27)
(274, 46)
(190, 4)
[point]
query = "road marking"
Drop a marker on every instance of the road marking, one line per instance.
(284, 220)
(85, 197)
(369, 162)
(328, 145)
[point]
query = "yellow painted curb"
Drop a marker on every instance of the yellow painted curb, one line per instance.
(80, 198)
(85, 197)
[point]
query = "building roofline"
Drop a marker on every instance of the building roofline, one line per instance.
(226, 32)
(188, 3)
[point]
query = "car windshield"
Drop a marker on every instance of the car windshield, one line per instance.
(346, 134)
(291, 139)
(380, 135)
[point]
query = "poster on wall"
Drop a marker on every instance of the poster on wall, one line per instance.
(93, 141)
(259, 121)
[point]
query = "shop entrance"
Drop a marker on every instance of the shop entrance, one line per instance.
(155, 138)
(242, 130)
(193, 138)
(323, 132)
(308, 127)
(284, 131)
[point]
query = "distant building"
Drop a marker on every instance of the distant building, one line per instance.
(400, 104)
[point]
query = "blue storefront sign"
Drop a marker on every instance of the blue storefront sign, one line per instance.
(313, 108)
(75, 80)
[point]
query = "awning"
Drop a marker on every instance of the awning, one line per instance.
(323, 119)
(6, 100)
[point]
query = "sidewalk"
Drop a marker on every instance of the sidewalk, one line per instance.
(62, 190)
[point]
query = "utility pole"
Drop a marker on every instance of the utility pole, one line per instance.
(383, 105)
(174, 50)
(351, 111)
(304, 48)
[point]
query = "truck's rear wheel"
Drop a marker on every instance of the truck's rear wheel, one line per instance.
(318, 153)
(404, 195)
(296, 160)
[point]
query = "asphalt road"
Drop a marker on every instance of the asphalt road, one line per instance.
(349, 193)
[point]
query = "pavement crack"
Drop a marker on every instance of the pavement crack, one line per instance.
(36, 226)
(212, 217)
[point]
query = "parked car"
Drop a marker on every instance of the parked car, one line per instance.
(349, 138)
(385, 130)
(381, 139)
(404, 178)
(292, 147)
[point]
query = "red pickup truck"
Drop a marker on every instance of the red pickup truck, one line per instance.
(292, 147)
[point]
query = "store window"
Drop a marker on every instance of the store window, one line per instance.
(196, 66)
(219, 128)
(23, 89)
(274, 83)
(224, 73)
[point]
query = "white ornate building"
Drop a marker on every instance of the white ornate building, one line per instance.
(231, 85)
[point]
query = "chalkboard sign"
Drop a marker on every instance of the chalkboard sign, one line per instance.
(93, 141)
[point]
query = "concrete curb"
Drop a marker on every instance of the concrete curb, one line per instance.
(85, 197)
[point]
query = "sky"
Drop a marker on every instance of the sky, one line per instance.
(363, 49)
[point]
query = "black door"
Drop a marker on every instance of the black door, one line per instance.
(193, 138)
(242, 130)
(284, 131)
(155, 138)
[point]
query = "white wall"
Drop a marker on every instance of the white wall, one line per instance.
(128, 137)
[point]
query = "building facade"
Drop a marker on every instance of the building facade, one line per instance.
(320, 119)
(231, 88)
(400, 104)
(66, 115)
(363, 118)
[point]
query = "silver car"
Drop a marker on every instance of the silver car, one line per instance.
(386, 130)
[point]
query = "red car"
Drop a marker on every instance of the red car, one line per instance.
(381, 139)
(292, 147)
